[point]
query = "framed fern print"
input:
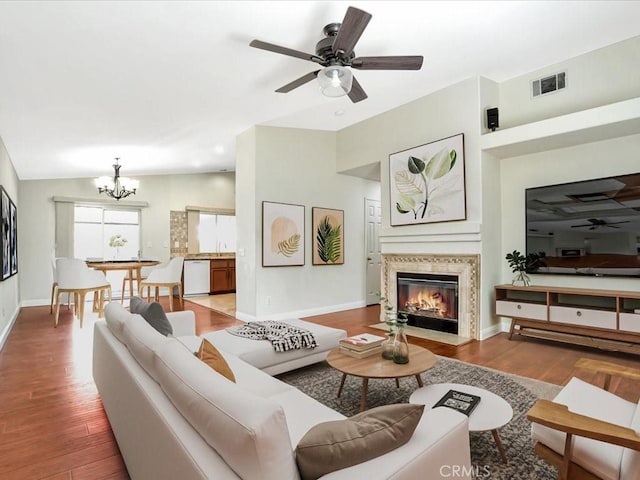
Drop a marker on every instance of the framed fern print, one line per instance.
(282, 235)
(426, 183)
(328, 236)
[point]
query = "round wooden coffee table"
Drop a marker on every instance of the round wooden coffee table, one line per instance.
(420, 360)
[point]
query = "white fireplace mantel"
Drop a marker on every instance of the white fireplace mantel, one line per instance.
(465, 267)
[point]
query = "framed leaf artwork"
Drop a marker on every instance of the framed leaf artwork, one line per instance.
(426, 183)
(282, 234)
(328, 236)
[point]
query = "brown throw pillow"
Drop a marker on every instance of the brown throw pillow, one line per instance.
(212, 357)
(338, 444)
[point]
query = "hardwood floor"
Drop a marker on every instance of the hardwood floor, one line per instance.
(53, 426)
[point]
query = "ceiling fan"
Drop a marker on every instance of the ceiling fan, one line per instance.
(595, 223)
(335, 53)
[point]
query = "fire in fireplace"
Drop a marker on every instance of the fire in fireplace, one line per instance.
(429, 300)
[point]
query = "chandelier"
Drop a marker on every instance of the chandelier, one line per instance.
(117, 187)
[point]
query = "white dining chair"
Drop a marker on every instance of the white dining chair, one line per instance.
(75, 278)
(168, 276)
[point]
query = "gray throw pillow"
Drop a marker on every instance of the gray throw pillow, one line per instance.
(153, 313)
(338, 444)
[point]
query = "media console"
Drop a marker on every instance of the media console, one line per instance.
(606, 319)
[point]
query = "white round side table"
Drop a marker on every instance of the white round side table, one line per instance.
(491, 413)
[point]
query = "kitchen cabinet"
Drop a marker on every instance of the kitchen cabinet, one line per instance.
(222, 276)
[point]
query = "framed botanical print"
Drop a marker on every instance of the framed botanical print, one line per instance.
(327, 236)
(282, 234)
(427, 184)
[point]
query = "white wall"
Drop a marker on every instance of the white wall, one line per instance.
(248, 223)
(163, 193)
(597, 78)
(459, 108)
(299, 167)
(9, 289)
(582, 162)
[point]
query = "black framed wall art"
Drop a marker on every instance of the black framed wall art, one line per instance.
(9, 238)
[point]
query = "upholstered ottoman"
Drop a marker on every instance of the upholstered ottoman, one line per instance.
(261, 354)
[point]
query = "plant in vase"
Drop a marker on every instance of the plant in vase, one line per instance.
(521, 265)
(390, 320)
(117, 241)
(400, 343)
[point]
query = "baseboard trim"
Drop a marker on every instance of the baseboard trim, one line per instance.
(491, 331)
(309, 312)
(7, 329)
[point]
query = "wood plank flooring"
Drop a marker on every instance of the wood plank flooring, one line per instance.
(53, 426)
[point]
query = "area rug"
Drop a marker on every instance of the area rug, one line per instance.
(321, 382)
(428, 334)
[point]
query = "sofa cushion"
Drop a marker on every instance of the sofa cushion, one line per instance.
(334, 445)
(249, 432)
(115, 315)
(141, 339)
(602, 459)
(152, 313)
(212, 357)
(630, 466)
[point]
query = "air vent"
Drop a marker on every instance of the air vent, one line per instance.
(550, 84)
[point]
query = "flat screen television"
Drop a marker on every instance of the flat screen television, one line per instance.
(590, 227)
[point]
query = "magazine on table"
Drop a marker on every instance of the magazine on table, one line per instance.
(460, 401)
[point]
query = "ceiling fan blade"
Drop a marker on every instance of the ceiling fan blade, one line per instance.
(298, 82)
(270, 47)
(357, 94)
(354, 23)
(410, 62)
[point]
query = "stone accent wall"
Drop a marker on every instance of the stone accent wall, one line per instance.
(465, 267)
(178, 233)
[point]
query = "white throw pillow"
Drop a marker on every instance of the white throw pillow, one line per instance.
(115, 315)
(141, 339)
(249, 432)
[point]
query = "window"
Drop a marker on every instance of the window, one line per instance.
(104, 232)
(217, 233)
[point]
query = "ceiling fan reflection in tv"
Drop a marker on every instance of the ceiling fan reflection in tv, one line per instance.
(596, 223)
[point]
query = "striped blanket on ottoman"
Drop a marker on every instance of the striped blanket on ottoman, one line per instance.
(283, 337)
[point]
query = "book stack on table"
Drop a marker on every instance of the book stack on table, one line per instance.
(361, 346)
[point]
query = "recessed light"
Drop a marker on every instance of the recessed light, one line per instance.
(338, 113)
(219, 149)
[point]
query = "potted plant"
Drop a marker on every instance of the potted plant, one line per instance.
(522, 265)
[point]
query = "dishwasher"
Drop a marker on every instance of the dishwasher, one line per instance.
(196, 277)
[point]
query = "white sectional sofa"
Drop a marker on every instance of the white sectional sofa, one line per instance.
(174, 417)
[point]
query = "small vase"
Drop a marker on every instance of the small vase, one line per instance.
(521, 279)
(387, 344)
(400, 345)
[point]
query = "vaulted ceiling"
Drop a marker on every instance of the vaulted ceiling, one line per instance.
(166, 86)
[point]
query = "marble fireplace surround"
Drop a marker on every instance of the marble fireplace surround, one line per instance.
(465, 267)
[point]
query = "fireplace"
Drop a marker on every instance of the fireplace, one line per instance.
(429, 301)
(404, 273)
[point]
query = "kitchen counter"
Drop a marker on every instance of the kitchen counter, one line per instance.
(209, 256)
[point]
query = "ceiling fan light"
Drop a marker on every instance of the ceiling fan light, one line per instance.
(335, 81)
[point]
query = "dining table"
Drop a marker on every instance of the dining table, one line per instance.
(131, 266)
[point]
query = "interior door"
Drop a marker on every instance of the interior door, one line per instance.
(373, 220)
